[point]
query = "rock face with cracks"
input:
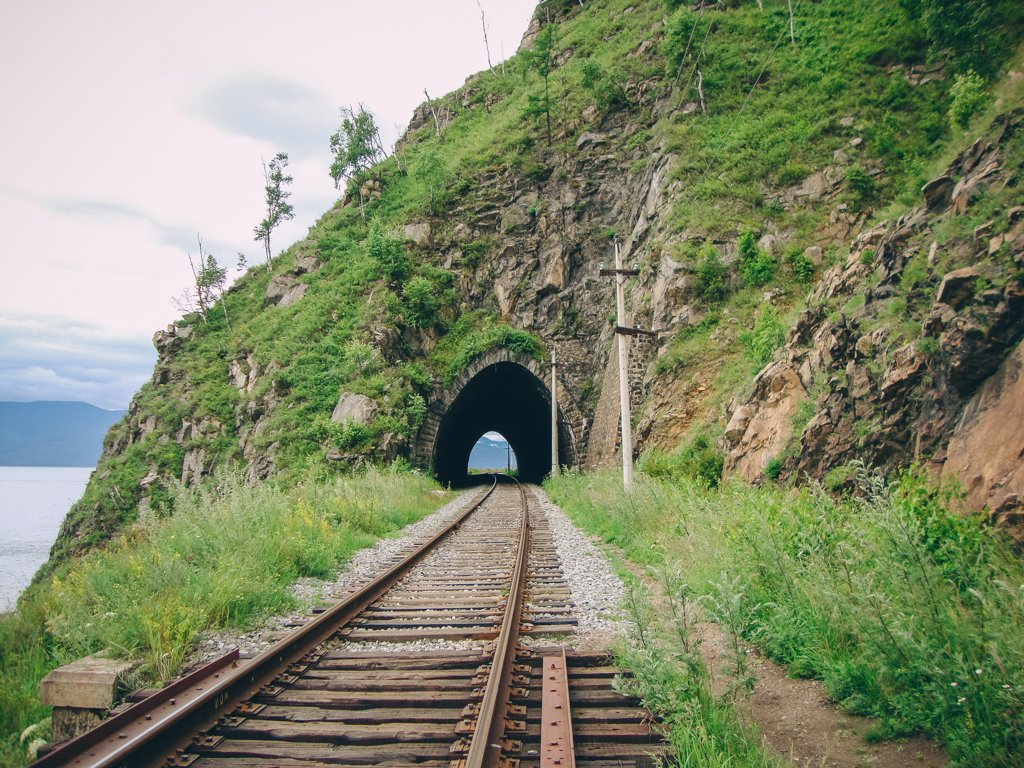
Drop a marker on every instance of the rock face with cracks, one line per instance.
(951, 399)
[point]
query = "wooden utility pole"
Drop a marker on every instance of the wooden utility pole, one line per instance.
(554, 415)
(622, 331)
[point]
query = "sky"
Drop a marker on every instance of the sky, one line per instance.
(130, 128)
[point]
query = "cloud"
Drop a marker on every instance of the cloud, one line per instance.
(53, 358)
(172, 235)
(284, 114)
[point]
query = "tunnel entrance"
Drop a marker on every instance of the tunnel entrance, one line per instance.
(503, 397)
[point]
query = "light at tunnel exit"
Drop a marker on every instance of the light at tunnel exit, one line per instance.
(493, 452)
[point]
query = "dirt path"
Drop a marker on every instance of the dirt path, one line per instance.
(798, 720)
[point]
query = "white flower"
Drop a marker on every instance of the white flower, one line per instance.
(952, 685)
(977, 671)
(961, 700)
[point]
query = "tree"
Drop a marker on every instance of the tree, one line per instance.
(541, 59)
(357, 148)
(209, 279)
(278, 207)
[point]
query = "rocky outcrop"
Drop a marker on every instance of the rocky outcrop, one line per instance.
(950, 398)
(986, 452)
(354, 409)
(287, 288)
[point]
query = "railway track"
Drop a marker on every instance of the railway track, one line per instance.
(426, 665)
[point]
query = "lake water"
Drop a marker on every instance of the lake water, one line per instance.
(33, 503)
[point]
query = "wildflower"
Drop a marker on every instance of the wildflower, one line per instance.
(952, 685)
(1007, 687)
(961, 700)
(977, 671)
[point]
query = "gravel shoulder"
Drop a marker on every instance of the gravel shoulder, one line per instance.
(597, 591)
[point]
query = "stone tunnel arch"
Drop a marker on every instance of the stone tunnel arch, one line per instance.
(502, 392)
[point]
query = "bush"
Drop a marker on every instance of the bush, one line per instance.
(604, 87)
(761, 341)
(801, 267)
(480, 342)
(757, 267)
(698, 459)
(387, 251)
(969, 96)
(421, 302)
(711, 274)
(862, 187)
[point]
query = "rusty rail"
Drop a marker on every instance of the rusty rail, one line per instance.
(556, 744)
(486, 746)
(150, 731)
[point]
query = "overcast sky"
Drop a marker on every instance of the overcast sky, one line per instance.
(130, 127)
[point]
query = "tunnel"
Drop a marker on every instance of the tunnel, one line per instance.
(503, 397)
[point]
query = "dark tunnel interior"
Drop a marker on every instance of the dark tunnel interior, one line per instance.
(506, 398)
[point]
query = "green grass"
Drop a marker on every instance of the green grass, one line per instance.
(224, 558)
(905, 610)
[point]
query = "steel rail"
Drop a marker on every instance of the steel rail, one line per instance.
(151, 731)
(486, 745)
(556, 745)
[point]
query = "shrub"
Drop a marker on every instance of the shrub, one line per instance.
(478, 343)
(757, 267)
(761, 341)
(862, 187)
(711, 274)
(421, 302)
(603, 86)
(801, 267)
(968, 97)
(698, 459)
(387, 251)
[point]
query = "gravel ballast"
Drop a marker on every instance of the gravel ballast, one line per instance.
(596, 591)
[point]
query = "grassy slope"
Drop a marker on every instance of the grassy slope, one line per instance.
(225, 558)
(905, 610)
(850, 64)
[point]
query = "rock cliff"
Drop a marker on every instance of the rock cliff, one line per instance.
(910, 350)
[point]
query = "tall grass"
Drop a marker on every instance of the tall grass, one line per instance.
(224, 558)
(906, 610)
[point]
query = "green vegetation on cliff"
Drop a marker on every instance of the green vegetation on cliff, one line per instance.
(906, 610)
(757, 121)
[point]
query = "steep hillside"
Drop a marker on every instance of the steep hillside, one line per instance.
(733, 151)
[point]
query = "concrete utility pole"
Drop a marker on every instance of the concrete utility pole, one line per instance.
(627, 418)
(554, 415)
(622, 331)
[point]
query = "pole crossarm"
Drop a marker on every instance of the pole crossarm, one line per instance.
(613, 272)
(626, 331)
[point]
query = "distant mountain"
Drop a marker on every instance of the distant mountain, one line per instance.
(52, 433)
(489, 454)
